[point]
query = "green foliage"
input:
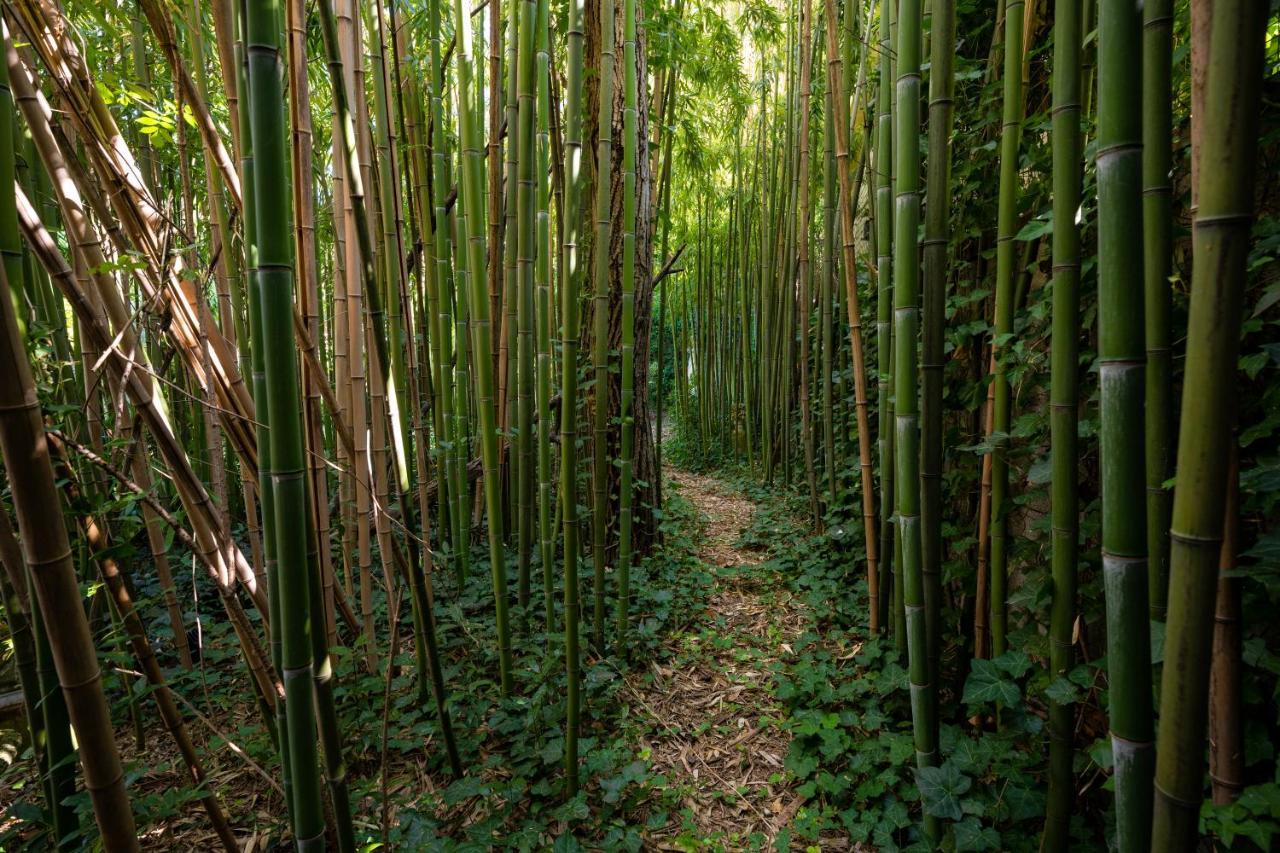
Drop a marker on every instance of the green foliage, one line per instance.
(1251, 822)
(512, 747)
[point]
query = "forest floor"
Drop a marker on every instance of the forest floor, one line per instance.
(702, 712)
(717, 730)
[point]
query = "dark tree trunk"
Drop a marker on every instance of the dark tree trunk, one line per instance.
(646, 474)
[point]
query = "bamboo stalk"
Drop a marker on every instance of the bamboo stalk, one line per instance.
(48, 555)
(569, 388)
(1064, 391)
(1121, 377)
(1220, 245)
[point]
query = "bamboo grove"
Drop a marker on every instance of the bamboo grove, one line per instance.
(316, 307)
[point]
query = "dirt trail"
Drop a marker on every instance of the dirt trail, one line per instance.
(716, 727)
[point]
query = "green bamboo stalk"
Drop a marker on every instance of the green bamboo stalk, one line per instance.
(254, 341)
(431, 275)
(47, 555)
(803, 271)
(11, 254)
(509, 456)
(569, 387)
(287, 474)
(1220, 246)
(452, 316)
(884, 302)
(942, 39)
(471, 195)
(542, 285)
(394, 369)
(630, 146)
(527, 255)
(59, 817)
(1121, 371)
(321, 605)
(906, 284)
(746, 373)
(1006, 226)
(600, 326)
(1157, 266)
(423, 610)
(1064, 388)
(827, 295)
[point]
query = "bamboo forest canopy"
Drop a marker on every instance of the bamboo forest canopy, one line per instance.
(639, 424)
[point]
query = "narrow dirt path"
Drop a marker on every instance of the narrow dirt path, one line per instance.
(716, 728)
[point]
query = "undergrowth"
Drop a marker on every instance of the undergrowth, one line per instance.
(512, 796)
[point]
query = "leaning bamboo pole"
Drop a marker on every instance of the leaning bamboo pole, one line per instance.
(158, 17)
(48, 555)
(848, 247)
(1220, 245)
(138, 390)
(129, 363)
(98, 539)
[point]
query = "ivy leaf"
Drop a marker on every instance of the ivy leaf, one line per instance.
(970, 756)
(1266, 550)
(552, 751)
(467, 786)
(970, 834)
(1016, 663)
(566, 843)
(1062, 691)
(901, 747)
(941, 789)
(986, 683)
(1100, 752)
